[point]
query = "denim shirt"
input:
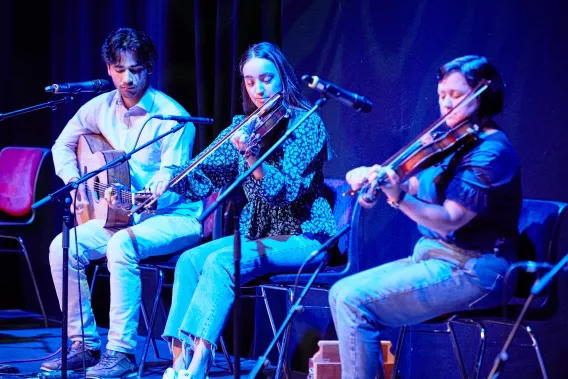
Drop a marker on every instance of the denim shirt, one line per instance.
(486, 180)
(289, 199)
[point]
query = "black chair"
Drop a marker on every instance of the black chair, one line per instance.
(20, 169)
(344, 260)
(539, 226)
(160, 266)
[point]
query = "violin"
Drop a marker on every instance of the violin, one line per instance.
(419, 154)
(260, 122)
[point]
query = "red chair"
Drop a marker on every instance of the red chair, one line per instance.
(19, 172)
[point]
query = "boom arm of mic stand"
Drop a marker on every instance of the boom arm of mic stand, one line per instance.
(50, 104)
(296, 306)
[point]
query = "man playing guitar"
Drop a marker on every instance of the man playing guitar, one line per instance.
(121, 117)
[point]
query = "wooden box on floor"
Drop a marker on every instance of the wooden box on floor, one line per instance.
(326, 364)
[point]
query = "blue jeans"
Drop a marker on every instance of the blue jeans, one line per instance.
(437, 279)
(203, 290)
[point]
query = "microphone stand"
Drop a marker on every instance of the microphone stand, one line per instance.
(50, 104)
(62, 196)
(536, 289)
(262, 361)
(237, 243)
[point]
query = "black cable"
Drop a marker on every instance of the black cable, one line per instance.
(140, 133)
(309, 258)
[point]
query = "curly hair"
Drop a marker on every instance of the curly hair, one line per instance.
(129, 40)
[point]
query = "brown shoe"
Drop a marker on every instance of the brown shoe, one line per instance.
(75, 354)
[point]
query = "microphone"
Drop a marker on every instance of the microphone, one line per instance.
(97, 85)
(183, 119)
(357, 102)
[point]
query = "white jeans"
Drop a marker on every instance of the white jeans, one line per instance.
(124, 248)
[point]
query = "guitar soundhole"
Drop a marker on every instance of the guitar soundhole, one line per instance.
(96, 186)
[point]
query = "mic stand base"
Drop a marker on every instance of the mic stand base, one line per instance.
(68, 223)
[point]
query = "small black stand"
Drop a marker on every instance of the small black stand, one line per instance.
(50, 104)
(237, 254)
(536, 289)
(62, 196)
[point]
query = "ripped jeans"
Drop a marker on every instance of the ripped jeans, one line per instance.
(203, 290)
(437, 279)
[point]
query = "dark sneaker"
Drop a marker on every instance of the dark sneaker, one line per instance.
(113, 364)
(75, 354)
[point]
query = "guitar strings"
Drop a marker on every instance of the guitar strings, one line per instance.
(100, 188)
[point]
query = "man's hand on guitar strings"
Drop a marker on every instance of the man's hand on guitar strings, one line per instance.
(81, 201)
(114, 195)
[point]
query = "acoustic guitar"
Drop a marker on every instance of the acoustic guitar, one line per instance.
(93, 152)
(326, 363)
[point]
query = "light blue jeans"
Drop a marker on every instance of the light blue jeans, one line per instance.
(157, 235)
(203, 290)
(437, 279)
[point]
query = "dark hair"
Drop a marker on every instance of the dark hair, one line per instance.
(290, 86)
(129, 40)
(476, 68)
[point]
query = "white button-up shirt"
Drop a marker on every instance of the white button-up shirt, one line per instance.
(106, 115)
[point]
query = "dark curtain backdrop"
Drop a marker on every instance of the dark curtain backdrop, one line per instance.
(387, 51)
(199, 44)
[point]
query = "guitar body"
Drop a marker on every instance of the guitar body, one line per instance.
(326, 363)
(93, 152)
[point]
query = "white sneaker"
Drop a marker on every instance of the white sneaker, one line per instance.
(170, 374)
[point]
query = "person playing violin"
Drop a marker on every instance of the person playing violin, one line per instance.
(286, 217)
(467, 208)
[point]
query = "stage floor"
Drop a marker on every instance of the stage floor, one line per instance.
(25, 343)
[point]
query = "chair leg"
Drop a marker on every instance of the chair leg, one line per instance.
(457, 352)
(150, 328)
(94, 278)
(537, 351)
(21, 242)
(398, 351)
(226, 354)
(279, 345)
(270, 317)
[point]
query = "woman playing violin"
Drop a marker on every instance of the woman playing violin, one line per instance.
(467, 208)
(286, 217)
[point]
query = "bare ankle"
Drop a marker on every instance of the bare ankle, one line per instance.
(179, 359)
(201, 359)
